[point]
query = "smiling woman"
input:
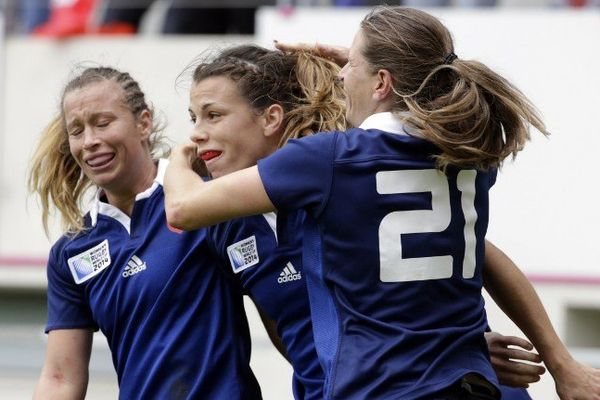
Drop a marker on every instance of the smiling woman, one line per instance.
(395, 210)
(219, 112)
(175, 324)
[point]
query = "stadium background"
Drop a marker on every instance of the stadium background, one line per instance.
(544, 210)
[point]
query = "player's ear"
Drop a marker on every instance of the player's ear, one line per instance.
(384, 85)
(145, 124)
(272, 119)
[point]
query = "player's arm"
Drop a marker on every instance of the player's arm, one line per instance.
(64, 375)
(515, 295)
(191, 203)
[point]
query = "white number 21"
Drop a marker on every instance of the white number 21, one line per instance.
(395, 268)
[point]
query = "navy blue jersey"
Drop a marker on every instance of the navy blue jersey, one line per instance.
(175, 324)
(392, 255)
(270, 272)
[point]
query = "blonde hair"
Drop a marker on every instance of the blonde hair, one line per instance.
(304, 85)
(55, 176)
(473, 115)
(321, 106)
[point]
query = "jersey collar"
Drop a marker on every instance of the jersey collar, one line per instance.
(101, 207)
(385, 121)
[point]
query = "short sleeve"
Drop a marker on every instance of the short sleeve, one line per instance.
(244, 244)
(67, 306)
(299, 175)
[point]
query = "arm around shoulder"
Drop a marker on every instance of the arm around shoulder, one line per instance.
(64, 375)
(191, 203)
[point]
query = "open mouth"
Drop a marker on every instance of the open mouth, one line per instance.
(100, 161)
(209, 155)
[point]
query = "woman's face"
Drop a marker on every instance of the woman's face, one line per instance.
(230, 134)
(359, 83)
(105, 138)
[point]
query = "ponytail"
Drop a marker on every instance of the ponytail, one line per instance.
(474, 116)
(480, 119)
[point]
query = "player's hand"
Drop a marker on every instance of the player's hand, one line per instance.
(575, 381)
(516, 367)
(337, 54)
(187, 155)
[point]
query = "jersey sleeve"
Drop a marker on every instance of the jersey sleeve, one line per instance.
(67, 307)
(299, 175)
(245, 244)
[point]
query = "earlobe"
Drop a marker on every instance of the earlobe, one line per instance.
(272, 119)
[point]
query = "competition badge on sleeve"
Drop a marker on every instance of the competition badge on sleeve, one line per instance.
(243, 254)
(89, 263)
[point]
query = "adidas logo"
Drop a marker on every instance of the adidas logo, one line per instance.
(289, 274)
(134, 265)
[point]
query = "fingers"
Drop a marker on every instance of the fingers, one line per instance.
(337, 54)
(294, 46)
(497, 339)
(516, 374)
(516, 341)
(512, 380)
(515, 354)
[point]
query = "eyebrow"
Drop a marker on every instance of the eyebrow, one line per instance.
(94, 116)
(206, 105)
(72, 124)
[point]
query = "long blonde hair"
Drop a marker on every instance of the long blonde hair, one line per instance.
(55, 176)
(473, 115)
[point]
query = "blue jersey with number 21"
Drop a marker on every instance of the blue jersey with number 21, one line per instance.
(393, 251)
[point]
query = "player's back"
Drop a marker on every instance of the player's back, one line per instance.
(392, 255)
(402, 246)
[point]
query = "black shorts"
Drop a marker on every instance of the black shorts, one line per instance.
(469, 387)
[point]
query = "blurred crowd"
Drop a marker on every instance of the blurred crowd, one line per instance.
(63, 18)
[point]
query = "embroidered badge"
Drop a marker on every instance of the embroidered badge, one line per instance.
(243, 254)
(89, 263)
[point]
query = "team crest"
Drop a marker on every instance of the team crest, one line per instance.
(243, 254)
(89, 263)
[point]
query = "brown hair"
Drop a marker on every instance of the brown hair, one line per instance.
(55, 175)
(473, 115)
(303, 84)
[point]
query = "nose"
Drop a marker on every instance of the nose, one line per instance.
(340, 75)
(198, 135)
(90, 139)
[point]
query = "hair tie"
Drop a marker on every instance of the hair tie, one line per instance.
(450, 58)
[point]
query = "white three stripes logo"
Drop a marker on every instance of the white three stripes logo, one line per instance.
(289, 274)
(134, 265)
(135, 262)
(289, 269)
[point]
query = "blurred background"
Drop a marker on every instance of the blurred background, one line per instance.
(544, 207)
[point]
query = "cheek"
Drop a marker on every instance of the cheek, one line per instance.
(73, 147)
(249, 150)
